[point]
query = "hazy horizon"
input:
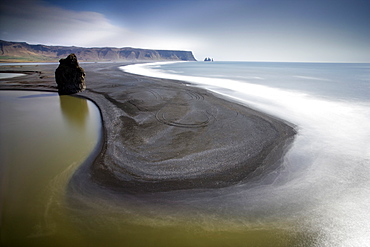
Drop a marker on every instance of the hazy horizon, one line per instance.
(233, 30)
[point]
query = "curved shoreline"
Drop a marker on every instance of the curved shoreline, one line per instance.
(162, 135)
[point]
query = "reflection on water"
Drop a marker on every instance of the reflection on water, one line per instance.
(37, 95)
(74, 111)
(40, 149)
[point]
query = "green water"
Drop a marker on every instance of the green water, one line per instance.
(44, 139)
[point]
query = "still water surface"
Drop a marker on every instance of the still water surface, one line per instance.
(44, 138)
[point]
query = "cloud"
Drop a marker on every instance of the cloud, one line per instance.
(37, 22)
(225, 30)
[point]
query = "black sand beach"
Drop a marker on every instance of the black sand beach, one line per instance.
(163, 135)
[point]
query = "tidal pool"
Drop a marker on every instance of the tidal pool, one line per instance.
(45, 138)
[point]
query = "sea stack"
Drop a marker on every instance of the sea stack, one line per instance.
(69, 76)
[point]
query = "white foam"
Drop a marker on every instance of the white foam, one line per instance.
(311, 78)
(327, 178)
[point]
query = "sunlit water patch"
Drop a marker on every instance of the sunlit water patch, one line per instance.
(324, 185)
(10, 75)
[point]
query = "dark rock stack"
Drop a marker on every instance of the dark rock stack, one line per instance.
(69, 76)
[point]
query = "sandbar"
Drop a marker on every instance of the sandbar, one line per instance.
(164, 135)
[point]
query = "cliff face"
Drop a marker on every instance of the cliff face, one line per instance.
(21, 51)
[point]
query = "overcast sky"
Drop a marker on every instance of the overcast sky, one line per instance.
(228, 30)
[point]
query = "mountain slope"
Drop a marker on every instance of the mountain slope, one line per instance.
(23, 52)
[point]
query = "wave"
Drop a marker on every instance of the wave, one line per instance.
(326, 178)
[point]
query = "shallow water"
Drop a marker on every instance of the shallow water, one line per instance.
(44, 138)
(319, 198)
(322, 189)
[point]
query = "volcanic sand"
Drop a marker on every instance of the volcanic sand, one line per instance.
(163, 135)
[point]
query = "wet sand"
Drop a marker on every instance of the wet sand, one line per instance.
(163, 135)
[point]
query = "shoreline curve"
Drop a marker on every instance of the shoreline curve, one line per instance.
(164, 135)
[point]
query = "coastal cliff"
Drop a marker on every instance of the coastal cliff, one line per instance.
(24, 52)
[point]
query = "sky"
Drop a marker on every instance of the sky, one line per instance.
(226, 30)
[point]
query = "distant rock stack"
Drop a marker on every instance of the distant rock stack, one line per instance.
(69, 76)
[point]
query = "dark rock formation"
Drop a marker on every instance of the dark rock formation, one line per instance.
(69, 76)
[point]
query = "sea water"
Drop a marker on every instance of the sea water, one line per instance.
(324, 184)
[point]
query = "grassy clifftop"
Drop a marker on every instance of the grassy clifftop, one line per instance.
(24, 52)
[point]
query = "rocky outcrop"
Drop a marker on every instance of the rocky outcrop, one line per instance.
(69, 76)
(23, 52)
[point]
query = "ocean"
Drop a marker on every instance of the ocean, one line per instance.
(323, 185)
